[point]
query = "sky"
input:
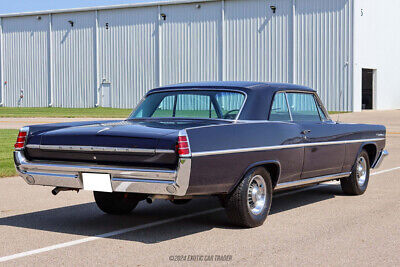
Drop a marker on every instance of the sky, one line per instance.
(18, 6)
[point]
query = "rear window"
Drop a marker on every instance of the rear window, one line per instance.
(191, 104)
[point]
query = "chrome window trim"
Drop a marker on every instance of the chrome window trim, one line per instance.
(194, 89)
(288, 107)
(254, 149)
(100, 149)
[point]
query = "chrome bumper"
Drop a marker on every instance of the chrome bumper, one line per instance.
(380, 158)
(123, 179)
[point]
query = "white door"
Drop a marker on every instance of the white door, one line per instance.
(106, 95)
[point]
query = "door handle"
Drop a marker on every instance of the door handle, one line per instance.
(306, 132)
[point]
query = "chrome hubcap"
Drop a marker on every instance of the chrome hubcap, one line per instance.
(361, 171)
(256, 195)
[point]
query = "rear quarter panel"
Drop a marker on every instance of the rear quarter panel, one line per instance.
(221, 171)
(374, 135)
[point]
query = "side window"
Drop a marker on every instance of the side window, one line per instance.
(279, 109)
(303, 107)
(321, 113)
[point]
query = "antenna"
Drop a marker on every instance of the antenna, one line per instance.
(340, 98)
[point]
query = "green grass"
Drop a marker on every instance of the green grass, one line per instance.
(64, 112)
(74, 112)
(7, 141)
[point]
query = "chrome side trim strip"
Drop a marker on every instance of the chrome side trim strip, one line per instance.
(100, 149)
(53, 174)
(165, 151)
(253, 149)
(312, 180)
(141, 180)
(379, 160)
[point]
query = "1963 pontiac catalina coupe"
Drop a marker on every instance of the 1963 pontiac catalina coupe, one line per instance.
(240, 141)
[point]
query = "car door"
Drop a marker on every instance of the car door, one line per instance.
(322, 155)
(291, 160)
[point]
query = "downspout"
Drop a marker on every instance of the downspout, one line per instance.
(294, 36)
(158, 81)
(50, 62)
(1, 65)
(221, 35)
(95, 60)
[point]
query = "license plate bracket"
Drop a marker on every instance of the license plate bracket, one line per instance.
(97, 182)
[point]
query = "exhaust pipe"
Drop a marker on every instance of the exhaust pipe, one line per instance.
(150, 199)
(57, 190)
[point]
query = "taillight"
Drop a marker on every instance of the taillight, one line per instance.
(183, 145)
(21, 139)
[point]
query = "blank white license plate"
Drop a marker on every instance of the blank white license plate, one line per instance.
(97, 182)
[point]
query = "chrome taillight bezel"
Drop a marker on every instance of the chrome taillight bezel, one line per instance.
(183, 139)
(22, 134)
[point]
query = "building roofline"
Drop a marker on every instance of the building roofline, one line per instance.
(111, 7)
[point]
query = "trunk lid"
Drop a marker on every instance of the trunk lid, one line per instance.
(142, 143)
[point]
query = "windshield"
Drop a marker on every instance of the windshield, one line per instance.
(191, 104)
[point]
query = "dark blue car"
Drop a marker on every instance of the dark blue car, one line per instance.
(240, 141)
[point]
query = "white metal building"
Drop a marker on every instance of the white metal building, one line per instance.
(349, 50)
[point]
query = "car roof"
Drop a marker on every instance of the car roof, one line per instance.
(259, 94)
(248, 85)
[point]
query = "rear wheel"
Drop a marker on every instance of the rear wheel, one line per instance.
(249, 204)
(116, 202)
(357, 182)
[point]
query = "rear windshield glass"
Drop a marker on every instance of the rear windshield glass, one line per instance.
(191, 104)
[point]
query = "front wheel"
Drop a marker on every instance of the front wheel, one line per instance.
(357, 182)
(116, 202)
(250, 202)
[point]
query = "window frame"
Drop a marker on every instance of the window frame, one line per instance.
(189, 90)
(317, 102)
(287, 105)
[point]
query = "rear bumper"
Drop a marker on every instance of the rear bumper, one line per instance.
(379, 160)
(123, 179)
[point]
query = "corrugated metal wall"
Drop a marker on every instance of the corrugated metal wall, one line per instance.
(132, 50)
(127, 53)
(189, 43)
(257, 41)
(323, 50)
(25, 61)
(73, 59)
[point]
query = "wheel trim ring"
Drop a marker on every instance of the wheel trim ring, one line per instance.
(257, 195)
(361, 171)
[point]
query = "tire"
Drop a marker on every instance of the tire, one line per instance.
(180, 201)
(116, 203)
(241, 205)
(357, 182)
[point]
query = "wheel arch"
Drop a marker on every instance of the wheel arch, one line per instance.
(272, 166)
(372, 151)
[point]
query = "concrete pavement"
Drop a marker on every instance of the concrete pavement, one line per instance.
(313, 226)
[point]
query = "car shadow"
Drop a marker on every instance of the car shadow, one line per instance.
(87, 220)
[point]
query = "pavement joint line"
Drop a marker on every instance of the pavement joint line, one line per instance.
(144, 226)
(106, 235)
(385, 171)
